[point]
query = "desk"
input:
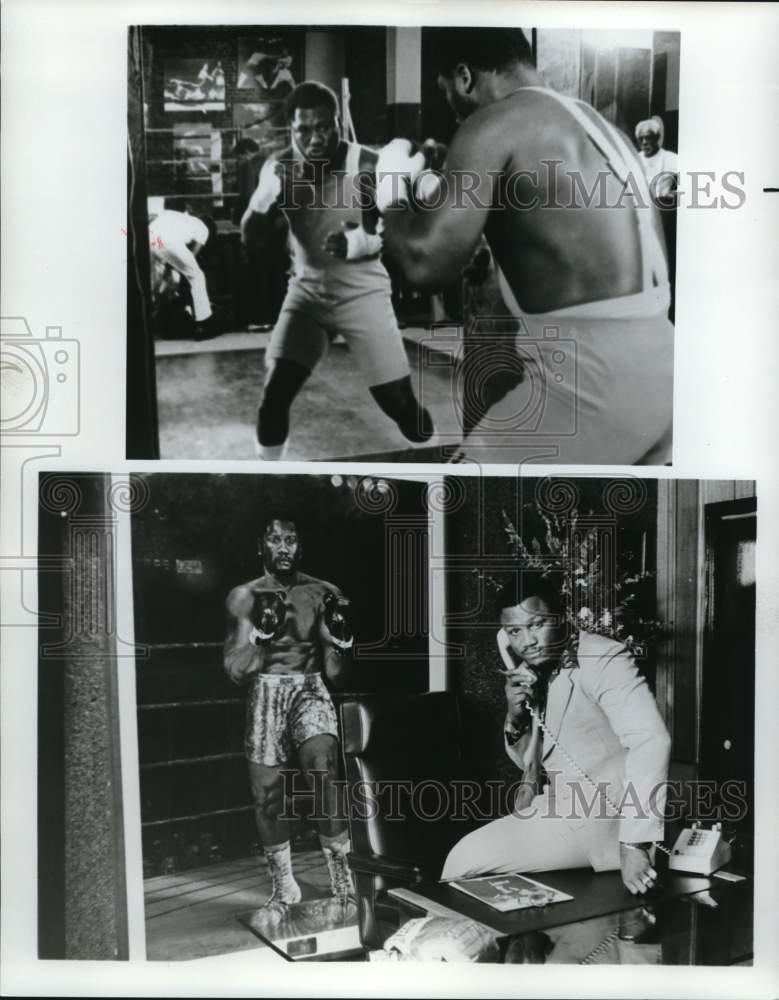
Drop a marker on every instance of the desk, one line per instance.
(688, 921)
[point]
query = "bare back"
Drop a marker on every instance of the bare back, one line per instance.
(562, 223)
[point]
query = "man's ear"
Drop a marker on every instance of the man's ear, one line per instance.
(466, 77)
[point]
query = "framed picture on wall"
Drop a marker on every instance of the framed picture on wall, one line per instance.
(194, 84)
(264, 122)
(270, 65)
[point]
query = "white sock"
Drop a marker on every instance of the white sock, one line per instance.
(284, 887)
(270, 452)
(335, 850)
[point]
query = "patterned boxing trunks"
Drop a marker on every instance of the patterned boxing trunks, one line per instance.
(282, 712)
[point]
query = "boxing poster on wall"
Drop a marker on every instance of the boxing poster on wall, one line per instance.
(270, 65)
(194, 84)
(264, 122)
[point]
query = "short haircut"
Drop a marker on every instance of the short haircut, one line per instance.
(487, 49)
(533, 583)
(310, 94)
(281, 516)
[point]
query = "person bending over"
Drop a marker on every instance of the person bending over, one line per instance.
(176, 239)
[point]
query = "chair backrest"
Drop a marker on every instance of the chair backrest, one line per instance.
(403, 765)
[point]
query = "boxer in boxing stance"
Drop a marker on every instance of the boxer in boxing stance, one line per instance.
(318, 185)
(562, 199)
(284, 630)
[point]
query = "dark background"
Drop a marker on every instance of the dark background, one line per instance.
(477, 548)
(193, 541)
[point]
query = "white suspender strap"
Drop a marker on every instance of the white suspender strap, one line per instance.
(623, 162)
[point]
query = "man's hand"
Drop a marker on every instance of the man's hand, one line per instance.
(335, 630)
(637, 871)
(335, 243)
(519, 692)
(435, 154)
(269, 617)
(352, 242)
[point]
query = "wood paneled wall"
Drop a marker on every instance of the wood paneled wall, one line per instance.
(681, 505)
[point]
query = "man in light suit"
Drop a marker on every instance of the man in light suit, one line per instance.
(596, 704)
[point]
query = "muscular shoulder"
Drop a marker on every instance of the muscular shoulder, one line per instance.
(238, 597)
(528, 126)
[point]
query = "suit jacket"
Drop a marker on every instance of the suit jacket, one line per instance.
(606, 720)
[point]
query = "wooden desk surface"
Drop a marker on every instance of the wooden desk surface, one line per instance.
(595, 894)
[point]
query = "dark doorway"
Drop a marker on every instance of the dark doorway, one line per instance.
(728, 695)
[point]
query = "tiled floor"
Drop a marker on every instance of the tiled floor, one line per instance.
(194, 914)
(208, 395)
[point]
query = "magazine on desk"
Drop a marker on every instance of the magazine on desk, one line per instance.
(510, 892)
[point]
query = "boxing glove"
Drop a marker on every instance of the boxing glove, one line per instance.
(359, 243)
(336, 623)
(268, 617)
(396, 168)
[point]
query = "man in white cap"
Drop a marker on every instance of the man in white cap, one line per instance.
(661, 166)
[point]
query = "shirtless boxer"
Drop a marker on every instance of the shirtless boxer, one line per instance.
(589, 279)
(317, 185)
(278, 643)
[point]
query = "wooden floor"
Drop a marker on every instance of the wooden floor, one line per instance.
(208, 395)
(194, 914)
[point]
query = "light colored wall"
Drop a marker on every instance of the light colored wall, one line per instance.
(404, 65)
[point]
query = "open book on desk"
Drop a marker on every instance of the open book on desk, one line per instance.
(510, 892)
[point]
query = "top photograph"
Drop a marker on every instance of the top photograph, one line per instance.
(401, 244)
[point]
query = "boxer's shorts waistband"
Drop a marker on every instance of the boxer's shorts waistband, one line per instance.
(646, 304)
(288, 679)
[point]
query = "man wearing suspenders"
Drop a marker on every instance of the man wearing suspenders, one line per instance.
(561, 197)
(317, 185)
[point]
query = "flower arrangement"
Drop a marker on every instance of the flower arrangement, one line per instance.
(599, 595)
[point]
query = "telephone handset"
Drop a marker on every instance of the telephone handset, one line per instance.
(696, 851)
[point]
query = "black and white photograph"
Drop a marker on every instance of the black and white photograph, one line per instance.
(194, 84)
(430, 245)
(387, 408)
(268, 64)
(356, 699)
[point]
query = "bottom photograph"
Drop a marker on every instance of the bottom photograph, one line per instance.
(363, 718)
